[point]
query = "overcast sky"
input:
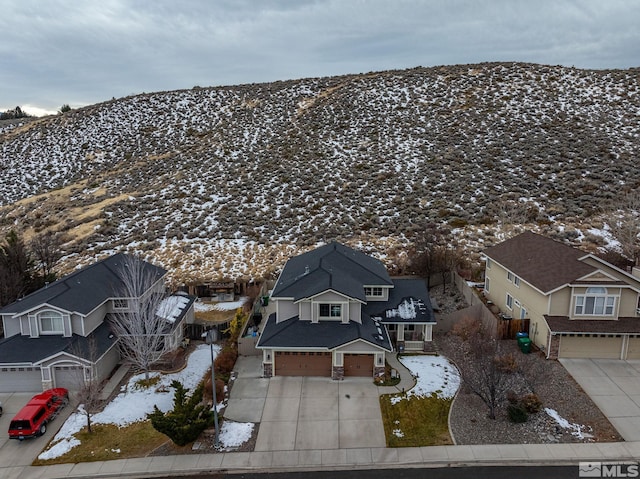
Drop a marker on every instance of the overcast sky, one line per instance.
(79, 52)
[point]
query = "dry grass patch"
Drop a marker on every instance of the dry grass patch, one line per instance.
(416, 421)
(108, 442)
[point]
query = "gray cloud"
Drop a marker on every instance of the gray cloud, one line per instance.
(63, 51)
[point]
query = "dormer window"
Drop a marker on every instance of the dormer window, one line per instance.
(333, 311)
(595, 302)
(374, 292)
(50, 322)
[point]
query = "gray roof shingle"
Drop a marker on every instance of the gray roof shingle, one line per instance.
(330, 267)
(542, 262)
(83, 290)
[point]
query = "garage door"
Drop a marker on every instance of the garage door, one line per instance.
(69, 377)
(597, 347)
(358, 365)
(634, 348)
(303, 364)
(23, 380)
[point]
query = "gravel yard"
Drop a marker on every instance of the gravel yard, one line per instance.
(469, 423)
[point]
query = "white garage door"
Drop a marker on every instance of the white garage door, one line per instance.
(23, 380)
(69, 377)
(597, 347)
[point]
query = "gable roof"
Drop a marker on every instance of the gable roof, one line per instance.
(83, 290)
(331, 267)
(544, 263)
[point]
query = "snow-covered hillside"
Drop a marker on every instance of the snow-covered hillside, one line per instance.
(229, 181)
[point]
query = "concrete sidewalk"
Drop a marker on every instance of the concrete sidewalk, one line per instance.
(333, 459)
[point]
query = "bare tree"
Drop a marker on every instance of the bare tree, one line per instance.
(16, 269)
(484, 368)
(427, 251)
(625, 226)
(141, 329)
(46, 249)
(89, 387)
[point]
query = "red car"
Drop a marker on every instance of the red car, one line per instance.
(33, 418)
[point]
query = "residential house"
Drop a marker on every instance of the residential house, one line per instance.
(62, 330)
(338, 313)
(579, 305)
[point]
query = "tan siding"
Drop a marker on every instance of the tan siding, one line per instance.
(560, 304)
(634, 348)
(628, 303)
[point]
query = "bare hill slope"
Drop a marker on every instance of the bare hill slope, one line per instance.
(228, 181)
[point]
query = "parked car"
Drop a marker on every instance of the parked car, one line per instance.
(32, 419)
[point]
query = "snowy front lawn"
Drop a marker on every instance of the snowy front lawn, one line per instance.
(128, 410)
(420, 416)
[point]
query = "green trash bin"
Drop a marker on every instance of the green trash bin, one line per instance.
(525, 345)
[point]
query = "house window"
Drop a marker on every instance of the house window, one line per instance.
(120, 304)
(509, 301)
(374, 291)
(51, 322)
(523, 313)
(595, 302)
(330, 310)
(486, 284)
(512, 278)
(488, 263)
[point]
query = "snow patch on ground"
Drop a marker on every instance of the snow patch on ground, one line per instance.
(134, 402)
(230, 305)
(234, 434)
(434, 375)
(577, 430)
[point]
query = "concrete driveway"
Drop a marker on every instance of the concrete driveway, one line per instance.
(23, 453)
(614, 386)
(306, 413)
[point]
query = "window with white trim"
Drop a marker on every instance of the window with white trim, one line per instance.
(516, 281)
(595, 302)
(510, 276)
(523, 313)
(487, 283)
(509, 301)
(327, 310)
(50, 322)
(373, 291)
(488, 263)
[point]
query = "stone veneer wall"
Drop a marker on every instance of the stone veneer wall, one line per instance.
(337, 372)
(267, 370)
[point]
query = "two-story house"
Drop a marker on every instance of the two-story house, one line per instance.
(579, 305)
(338, 312)
(62, 330)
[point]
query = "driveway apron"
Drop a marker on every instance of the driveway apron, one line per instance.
(614, 386)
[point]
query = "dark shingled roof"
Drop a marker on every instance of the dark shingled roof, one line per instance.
(333, 266)
(83, 290)
(24, 349)
(562, 324)
(542, 262)
(294, 333)
(412, 295)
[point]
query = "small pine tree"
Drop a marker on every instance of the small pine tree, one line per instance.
(187, 420)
